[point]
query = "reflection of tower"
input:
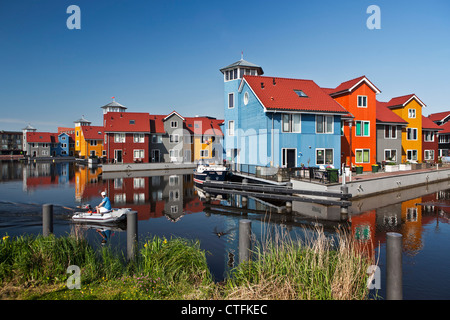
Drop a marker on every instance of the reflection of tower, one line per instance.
(173, 192)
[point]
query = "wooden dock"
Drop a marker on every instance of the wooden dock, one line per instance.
(283, 193)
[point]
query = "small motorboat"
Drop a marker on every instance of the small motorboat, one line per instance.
(215, 172)
(115, 215)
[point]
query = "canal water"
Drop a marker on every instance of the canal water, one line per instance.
(169, 205)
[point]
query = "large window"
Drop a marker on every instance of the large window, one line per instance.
(411, 113)
(429, 154)
(324, 124)
(324, 156)
(362, 101)
(291, 122)
(362, 156)
(390, 155)
(411, 134)
(119, 137)
(411, 155)
(390, 132)
(138, 137)
(138, 154)
(362, 128)
(428, 136)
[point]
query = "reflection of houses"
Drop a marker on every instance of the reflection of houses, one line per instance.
(45, 174)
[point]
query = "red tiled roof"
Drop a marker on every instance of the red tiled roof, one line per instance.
(42, 137)
(127, 122)
(445, 128)
(427, 123)
(157, 124)
(349, 85)
(386, 115)
(204, 125)
(281, 95)
(402, 100)
(93, 132)
(439, 116)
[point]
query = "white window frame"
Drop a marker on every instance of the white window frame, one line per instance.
(412, 130)
(230, 128)
(231, 106)
(174, 124)
(364, 100)
(119, 137)
(362, 157)
(174, 138)
(411, 113)
(390, 153)
(138, 154)
(392, 129)
(428, 154)
(412, 152)
(324, 150)
(324, 124)
(138, 138)
(291, 122)
(363, 122)
(428, 133)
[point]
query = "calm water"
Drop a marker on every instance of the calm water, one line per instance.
(169, 205)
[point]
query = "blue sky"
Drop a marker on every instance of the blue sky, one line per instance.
(160, 56)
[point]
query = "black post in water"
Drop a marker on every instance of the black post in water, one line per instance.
(47, 219)
(245, 237)
(344, 209)
(394, 282)
(132, 234)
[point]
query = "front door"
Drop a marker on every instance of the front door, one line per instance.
(118, 156)
(289, 160)
(155, 155)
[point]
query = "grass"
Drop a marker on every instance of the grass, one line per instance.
(281, 268)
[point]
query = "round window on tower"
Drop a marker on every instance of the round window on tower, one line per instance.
(246, 98)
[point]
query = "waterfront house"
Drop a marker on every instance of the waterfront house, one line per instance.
(11, 142)
(25, 146)
(359, 139)
(389, 134)
(430, 140)
(278, 122)
(80, 143)
(39, 143)
(409, 107)
(440, 118)
(127, 137)
(444, 140)
(206, 138)
(88, 139)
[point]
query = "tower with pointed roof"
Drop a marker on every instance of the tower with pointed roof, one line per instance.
(232, 76)
(28, 128)
(113, 107)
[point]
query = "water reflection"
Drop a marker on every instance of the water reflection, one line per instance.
(169, 204)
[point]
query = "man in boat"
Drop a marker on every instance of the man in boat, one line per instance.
(105, 205)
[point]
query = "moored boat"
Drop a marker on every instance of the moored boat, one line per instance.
(215, 172)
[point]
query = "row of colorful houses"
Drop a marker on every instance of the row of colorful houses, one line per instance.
(132, 137)
(284, 122)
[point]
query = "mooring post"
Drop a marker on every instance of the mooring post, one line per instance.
(132, 234)
(394, 290)
(344, 209)
(47, 219)
(245, 237)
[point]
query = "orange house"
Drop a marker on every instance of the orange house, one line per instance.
(358, 129)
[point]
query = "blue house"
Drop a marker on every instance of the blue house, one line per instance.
(60, 145)
(278, 122)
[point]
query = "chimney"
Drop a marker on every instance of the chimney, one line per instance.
(273, 79)
(262, 85)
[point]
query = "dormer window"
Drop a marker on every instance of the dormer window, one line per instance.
(132, 122)
(301, 94)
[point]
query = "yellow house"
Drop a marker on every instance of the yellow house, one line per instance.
(206, 138)
(409, 108)
(88, 139)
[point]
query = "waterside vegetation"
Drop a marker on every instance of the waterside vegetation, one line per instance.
(35, 267)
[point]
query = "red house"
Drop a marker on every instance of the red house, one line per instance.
(127, 136)
(430, 140)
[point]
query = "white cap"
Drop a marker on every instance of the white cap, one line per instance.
(103, 193)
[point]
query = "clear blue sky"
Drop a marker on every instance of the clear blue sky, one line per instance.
(159, 56)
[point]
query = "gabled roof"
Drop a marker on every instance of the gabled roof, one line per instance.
(171, 114)
(403, 101)
(42, 137)
(440, 116)
(280, 94)
(93, 132)
(385, 115)
(242, 63)
(445, 128)
(204, 126)
(428, 124)
(127, 122)
(350, 85)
